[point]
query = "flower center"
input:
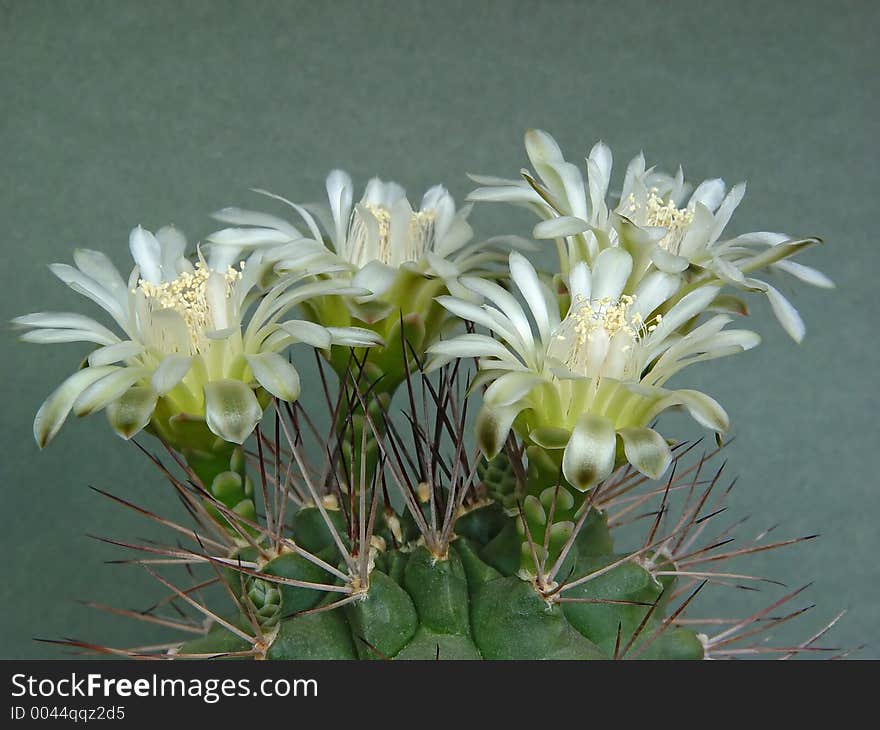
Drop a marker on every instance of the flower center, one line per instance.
(188, 296)
(665, 214)
(598, 338)
(410, 247)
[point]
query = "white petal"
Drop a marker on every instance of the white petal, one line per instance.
(508, 194)
(589, 456)
(806, 274)
(309, 332)
(786, 314)
(560, 227)
(579, 284)
(170, 372)
(249, 237)
(355, 337)
(652, 291)
(47, 336)
(542, 148)
(172, 244)
(114, 353)
(526, 279)
(505, 301)
(98, 266)
(276, 375)
(704, 409)
(339, 193)
(55, 409)
(725, 210)
(612, 269)
(147, 254)
(375, 277)
(217, 301)
(231, 410)
(107, 389)
(472, 345)
(492, 427)
(669, 262)
(241, 217)
(510, 388)
(132, 411)
(710, 193)
(88, 287)
(646, 450)
(689, 306)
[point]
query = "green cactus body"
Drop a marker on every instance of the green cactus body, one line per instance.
(467, 604)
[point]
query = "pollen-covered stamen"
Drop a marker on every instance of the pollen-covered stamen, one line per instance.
(661, 213)
(410, 247)
(188, 296)
(598, 338)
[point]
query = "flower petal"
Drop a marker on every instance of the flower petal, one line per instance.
(589, 456)
(493, 426)
(787, 315)
(710, 193)
(339, 193)
(170, 372)
(55, 409)
(510, 388)
(117, 352)
(355, 337)
(276, 375)
(526, 279)
(560, 227)
(304, 331)
(132, 411)
(147, 253)
(612, 269)
(107, 389)
(646, 450)
(806, 274)
(231, 410)
(704, 409)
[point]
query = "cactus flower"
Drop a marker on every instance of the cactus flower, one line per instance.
(188, 348)
(581, 382)
(655, 219)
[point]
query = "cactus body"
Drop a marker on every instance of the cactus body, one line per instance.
(467, 604)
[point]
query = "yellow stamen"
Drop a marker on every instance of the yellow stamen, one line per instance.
(665, 214)
(187, 295)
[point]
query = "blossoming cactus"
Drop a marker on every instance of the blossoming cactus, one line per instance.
(383, 533)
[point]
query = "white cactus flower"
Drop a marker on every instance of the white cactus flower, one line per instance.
(654, 218)
(578, 383)
(185, 342)
(370, 239)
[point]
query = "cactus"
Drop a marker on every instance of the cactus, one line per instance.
(441, 554)
(572, 530)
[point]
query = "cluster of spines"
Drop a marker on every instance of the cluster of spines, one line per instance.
(443, 488)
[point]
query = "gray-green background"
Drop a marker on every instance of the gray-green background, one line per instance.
(119, 113)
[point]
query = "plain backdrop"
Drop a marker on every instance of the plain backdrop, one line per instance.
(114, 114)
